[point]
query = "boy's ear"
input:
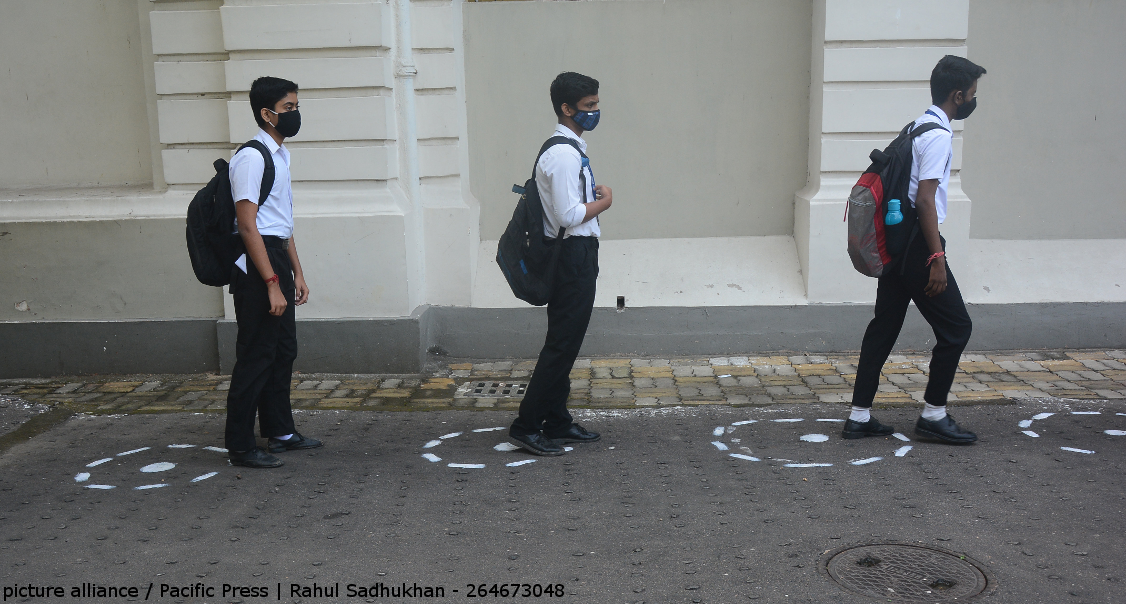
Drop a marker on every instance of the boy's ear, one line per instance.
(565, 107)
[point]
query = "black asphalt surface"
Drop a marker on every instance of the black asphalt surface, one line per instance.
(654, 513)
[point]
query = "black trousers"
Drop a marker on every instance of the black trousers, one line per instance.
(264, 355)
(568, 314)
(945, 312)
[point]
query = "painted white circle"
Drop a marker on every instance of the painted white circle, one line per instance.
(747, 452)
(1040, 417)
(160, 466)
(501, 447)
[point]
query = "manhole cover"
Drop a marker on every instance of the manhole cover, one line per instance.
(491, 390)
(906, 573)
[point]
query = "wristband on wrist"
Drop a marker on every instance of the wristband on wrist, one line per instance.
(274, 279)
(929, 260)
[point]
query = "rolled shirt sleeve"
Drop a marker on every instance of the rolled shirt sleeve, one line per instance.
(561, 173)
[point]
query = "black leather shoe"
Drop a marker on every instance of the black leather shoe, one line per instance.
(945, 430)
(573, 434)
(254, 458)
(294, 443)
(537, 444)
(855, 429)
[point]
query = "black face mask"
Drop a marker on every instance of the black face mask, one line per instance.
(965, 109)
(289, 123)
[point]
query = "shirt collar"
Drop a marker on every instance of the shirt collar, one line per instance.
(269, 141)
(942, 119)
(562, 130)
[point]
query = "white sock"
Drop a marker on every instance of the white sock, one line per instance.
(286, 437)
(933, 412)
(861, 414)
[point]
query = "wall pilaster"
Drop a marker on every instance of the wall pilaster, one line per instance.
(377, 166)
(869, 77)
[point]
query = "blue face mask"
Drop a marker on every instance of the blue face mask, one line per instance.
(587, 120)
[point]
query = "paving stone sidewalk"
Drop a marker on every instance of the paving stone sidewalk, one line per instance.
(617, 383)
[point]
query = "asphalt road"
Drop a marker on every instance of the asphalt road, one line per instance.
(655, 512)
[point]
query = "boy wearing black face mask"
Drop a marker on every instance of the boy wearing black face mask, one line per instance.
(267, 285)
(924, 275)
(571, 200)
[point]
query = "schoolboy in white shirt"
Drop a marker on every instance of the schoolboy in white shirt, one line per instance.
(267, 285)
(925, 277)
(544, 423)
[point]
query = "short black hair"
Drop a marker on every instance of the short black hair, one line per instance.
(570, 88)
(953, 73)
(265, 92)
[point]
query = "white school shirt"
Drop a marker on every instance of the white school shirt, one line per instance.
(561, 191)
(931, 154)
(275, 215)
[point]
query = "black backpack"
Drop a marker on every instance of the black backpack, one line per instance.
(873, 245)
(525, 256)
(212, 244)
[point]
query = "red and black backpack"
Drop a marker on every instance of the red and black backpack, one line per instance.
(873, 245)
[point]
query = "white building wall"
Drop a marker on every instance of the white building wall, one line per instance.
(386, 221)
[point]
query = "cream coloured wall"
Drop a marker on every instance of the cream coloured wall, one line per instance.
(72, 102)
(704, 108)
(1044, 153)
(393, 151)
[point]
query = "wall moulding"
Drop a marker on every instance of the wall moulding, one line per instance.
(320, 25)
(325, 119)
(189, 77)
(323, 73)
(186, 32)
(312, 199)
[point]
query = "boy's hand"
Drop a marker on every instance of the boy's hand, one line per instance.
(603, 193)
(277, 299)
(302, 290)
(937, 283)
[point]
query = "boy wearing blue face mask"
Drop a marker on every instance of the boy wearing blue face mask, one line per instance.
(267, 284)
(571, 200)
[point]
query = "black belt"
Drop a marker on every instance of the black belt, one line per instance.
(275, 242)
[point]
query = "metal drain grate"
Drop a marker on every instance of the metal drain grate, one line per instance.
(906, 573)
(492, 390)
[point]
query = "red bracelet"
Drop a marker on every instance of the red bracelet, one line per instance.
(274, 279)
(935, 255)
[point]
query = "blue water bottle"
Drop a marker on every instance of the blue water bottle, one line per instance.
(894, 216)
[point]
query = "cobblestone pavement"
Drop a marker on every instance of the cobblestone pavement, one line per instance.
(618, 383)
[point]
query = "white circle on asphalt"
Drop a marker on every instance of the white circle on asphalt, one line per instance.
(501, 447)
(1040, 417)
(747, 453)
(84, 478)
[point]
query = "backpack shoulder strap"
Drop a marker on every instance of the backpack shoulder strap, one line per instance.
(551, 142)
(267, 170)
(927, 127)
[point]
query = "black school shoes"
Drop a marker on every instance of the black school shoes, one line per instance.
(536, 443)
(254, 458)
(293, 443)
(573, 434)
(946, 430)
(855, 429)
